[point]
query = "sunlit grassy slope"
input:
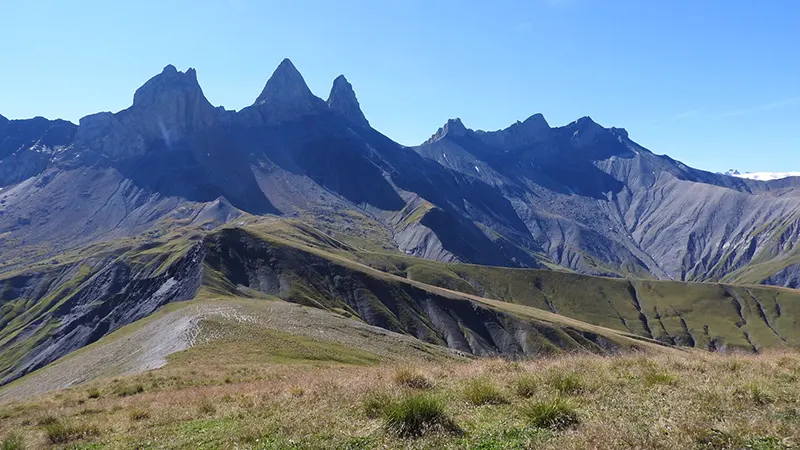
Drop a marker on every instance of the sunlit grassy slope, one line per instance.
(705, 315)
(300, 340)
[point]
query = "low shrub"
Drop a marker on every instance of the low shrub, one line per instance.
(207, 408)
(93, 393)
(46, 420)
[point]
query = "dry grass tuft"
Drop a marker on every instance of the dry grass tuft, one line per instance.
(555, 414)
(526, 386)
(138, 415)
(482, 391)
(567, 384)
(418, 414)
(412, 379)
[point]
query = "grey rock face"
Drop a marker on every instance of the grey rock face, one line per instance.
(286, 96)
(453, 128)
(342, 100)
(534, 129)
(28, 146)
(168, 108)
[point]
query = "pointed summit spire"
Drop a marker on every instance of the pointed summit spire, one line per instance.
(286, 94)
(342, 100)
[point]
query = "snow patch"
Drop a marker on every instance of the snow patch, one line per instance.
(763, 176)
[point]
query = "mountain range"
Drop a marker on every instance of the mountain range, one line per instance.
(103, 222)
(579, 197)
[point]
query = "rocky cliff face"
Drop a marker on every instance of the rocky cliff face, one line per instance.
(167, 109)
(342, 100)
(28, 146)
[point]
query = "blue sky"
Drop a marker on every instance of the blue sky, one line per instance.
(714, 83)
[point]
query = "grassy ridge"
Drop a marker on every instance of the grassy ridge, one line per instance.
(704, 315)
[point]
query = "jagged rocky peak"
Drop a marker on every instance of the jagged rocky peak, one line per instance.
(342, 100)
(167, 86)
(585, 130)
(453, 128)
(531, 127)
(619, 131)
(530, 131)
(168, 107)
(175, 101)
(285, 86)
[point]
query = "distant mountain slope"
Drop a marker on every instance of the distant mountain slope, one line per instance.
(599, 203)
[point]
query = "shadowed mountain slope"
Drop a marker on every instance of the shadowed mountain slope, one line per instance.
(599, 203)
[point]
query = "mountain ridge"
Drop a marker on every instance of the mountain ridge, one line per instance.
(578, 196)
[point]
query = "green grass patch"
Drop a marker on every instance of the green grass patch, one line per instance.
(60, 433)
(418, 414)
(482, 391)
(660, 379)
(129, 390)
(374, 403)
(569, 384)
(555, 414)
(13, 442)
(526, 386)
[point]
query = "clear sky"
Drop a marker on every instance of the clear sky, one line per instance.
(714, 83)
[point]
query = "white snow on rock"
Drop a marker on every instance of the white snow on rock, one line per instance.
(762, 176)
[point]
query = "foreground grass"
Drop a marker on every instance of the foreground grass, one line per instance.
(681, 400)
